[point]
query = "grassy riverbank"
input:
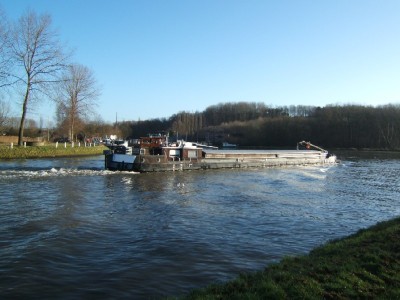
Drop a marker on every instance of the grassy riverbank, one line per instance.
(6, 152)
(365, 265)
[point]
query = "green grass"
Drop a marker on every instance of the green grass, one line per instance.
(365, 265)
(48, 151)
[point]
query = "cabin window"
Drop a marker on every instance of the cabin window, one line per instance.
(174, 153)
(192, 153)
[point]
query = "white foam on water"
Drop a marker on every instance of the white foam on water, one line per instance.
(56, 172)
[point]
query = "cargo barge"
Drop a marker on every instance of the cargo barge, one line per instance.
(155, 154)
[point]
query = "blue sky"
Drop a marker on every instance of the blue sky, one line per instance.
(156, 58)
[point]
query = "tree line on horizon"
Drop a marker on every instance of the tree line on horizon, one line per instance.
(250, 124)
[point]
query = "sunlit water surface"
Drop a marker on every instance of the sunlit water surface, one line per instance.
(70, 229)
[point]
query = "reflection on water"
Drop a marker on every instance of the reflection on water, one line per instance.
(72, 230)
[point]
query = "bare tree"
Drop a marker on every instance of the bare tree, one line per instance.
(4, 55)
(4, 69)
(78, 94)
(5, 58)
(38, 58)
(4, 115)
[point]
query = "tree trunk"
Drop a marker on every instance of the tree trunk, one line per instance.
(72, 123)
(21, 125)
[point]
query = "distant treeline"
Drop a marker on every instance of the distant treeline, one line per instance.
(255, 124)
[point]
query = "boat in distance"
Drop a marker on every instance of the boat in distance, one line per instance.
(155, 154)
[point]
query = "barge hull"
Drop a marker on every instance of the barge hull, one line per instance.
(185, 166)
(119, 162)
(233, 160)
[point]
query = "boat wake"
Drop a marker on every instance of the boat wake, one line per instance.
(53, 172)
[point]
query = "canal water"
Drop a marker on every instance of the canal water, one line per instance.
(70, 229)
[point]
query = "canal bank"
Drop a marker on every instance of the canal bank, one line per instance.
(50, 150)
(365, 265)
